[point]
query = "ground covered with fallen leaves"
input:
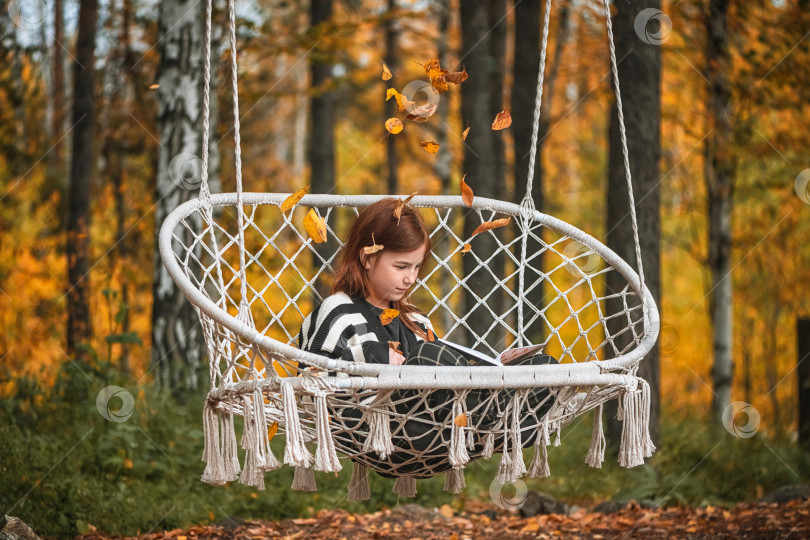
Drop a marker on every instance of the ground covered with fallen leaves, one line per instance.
(760, 520)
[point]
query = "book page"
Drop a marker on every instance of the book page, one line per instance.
(470, 353)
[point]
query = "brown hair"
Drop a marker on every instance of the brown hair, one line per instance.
(408, 234)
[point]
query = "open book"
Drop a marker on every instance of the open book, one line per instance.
(506, 357)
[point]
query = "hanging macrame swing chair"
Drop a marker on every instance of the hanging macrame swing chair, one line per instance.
(239, 259)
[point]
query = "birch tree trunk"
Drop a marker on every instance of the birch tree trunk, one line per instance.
(640, 82)
(719, 177)
(177, 342)
(79, 328)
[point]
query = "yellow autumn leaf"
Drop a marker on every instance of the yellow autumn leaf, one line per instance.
(502, 121)
(402, 102)
(401, 204)
(315, 227)
(388, 315)
(373, 248)
(393, 125)
(489, 225)
(461, 420)
(128, 463)
(271, 431)
(386, 75)
(465, 133)
(430, 146)
(430, 335)
(437, 76)
(421, 113)
(466, 249)
(466, 192)
(290, 202)
(457, 77)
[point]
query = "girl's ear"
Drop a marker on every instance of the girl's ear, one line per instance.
(364, 261)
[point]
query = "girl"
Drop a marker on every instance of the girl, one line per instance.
(347, 325)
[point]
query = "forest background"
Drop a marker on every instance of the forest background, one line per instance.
(92, 122)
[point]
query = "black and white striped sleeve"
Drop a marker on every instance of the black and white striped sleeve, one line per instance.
(336, 329)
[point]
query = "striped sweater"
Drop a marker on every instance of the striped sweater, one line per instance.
(348, 329)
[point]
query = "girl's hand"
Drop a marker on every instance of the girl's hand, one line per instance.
(395, 358)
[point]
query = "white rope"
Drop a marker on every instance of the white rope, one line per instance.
(626, 156)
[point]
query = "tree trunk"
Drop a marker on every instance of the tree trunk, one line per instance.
(803, 378)
(478, 155)
(639, 77)
(719, 176)
(79, 329)
(177, 341)
(391, 60)
(58, 90)
(322, 133)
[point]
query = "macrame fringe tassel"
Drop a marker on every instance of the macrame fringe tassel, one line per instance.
(636, 444)
(304, 479)
(454, 481)
(358, 485)
(229, 453)
(489, 446)
(512, 466)
(539, 467)
(596, 454)
(251, 475)
(379, 428)
(405, 486)
(326, 458)
(458, 443)
(295, 451)
(216, 472)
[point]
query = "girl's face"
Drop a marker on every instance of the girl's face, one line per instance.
(391, 274)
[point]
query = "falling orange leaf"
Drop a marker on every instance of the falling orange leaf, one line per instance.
(502, 121)
(489, 225)
(290, 202)
(466, 249)
(154, 86)
(436, 74)
(373, 248)
(388, 315)
(421, 113)
(430, 146)
(457, 77)
(271, 431)
(315, 227)
(460, 420)
(393, 125)
(401, 204)
(402, 102)
(386, 75)
(466, 192)
(464, 133)
(430, 335)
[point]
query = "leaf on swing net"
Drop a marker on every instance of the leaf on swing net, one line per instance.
(436, 74)
(460, 420)
(315, 227)
(466, 192)
(393, 125)
(373, 248)
(388, 315)
(430, 146)
(271, 431)
(489, 225)
(394, 345)
(387, 75)
(502, 121)
(464, 133)
(401, 204)
(421, 113)
(290, 202)
(457, 77)
(466, 249)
